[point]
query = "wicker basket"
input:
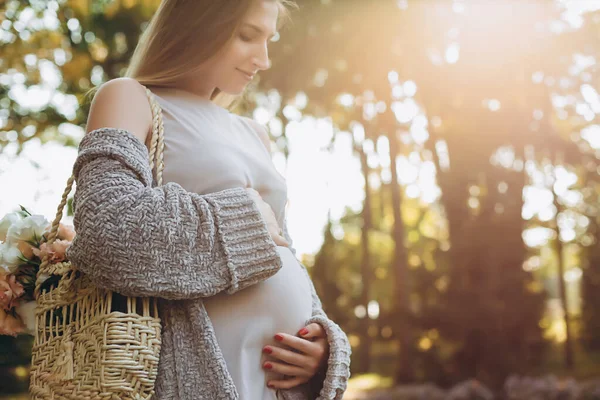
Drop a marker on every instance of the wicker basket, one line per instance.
(91, 343)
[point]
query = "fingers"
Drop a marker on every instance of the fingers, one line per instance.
(303, 358)
(288, 383)
(313, 330)
(280, 240)
(282, 237)
(269, 216)
(302, 345)
(290, 357)
(277, 233)
(286, 369)
(253, 193)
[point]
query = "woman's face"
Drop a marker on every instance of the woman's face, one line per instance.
(246, 54)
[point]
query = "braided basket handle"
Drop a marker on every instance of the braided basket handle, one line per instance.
(155, 158)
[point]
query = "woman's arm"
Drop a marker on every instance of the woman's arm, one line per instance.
(332, 383)
(140, 240)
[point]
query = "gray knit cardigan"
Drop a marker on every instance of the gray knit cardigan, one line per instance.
(139, 239)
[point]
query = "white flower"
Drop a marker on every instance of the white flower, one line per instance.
(10, 256)
(27, 313)
(30, 228)
(7, 221)
(41, 278)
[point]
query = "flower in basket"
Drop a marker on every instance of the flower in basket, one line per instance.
(23, 246)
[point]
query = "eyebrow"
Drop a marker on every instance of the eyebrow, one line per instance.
(258, 29)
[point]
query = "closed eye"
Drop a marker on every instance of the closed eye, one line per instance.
(248, 39)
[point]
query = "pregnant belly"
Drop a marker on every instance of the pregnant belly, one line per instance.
(246, 321)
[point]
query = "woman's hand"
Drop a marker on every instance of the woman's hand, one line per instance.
(269, 217)
(301, 358)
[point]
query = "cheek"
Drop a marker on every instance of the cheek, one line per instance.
(239, 51)
(223, 67)
(236, 56)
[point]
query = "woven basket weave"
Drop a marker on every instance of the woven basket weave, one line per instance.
(91, 343)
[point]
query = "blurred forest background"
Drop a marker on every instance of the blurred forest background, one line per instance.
(473, 125)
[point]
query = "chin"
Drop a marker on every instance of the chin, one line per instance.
(234, 91)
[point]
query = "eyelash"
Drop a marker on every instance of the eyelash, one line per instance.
(249, 39)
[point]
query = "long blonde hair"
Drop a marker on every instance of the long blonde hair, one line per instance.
(183, 34)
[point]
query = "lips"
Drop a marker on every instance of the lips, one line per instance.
(247, 74)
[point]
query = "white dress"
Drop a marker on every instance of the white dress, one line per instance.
(208, 149)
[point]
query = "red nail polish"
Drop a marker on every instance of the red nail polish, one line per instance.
(303, 331)
(268, 366)
(270, 385)
(267, 350)
(278, 337)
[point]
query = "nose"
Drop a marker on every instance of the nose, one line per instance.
(261, 59)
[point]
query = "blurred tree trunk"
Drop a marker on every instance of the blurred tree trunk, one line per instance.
(366, 268)
(560, 258)
(590, 280)
(590, 290)
(404, 367)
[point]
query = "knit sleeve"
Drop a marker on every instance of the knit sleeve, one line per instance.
(140, 240)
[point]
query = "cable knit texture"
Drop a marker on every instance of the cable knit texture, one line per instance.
(138, 239)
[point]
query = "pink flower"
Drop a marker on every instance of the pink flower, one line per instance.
(60, 248)
(55, 252)
(25, 248)
(66, 232)
(10, 290)
(9, 325)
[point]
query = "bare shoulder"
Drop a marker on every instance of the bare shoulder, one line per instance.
(261, 130)
(121, 103)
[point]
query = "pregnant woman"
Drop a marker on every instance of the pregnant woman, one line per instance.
(240, 316)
